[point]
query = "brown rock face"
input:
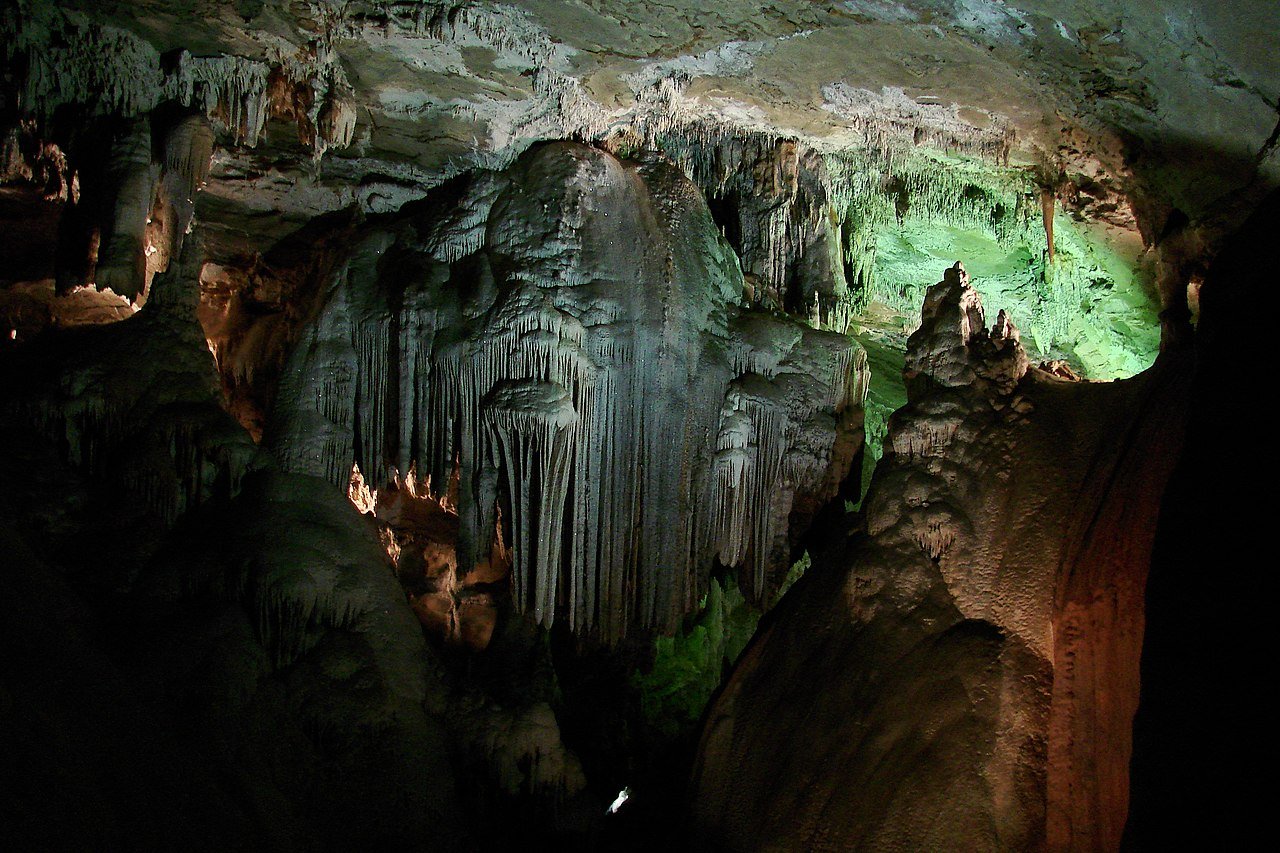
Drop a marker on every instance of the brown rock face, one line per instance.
(963, 672)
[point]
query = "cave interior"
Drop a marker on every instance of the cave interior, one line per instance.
(594, 425)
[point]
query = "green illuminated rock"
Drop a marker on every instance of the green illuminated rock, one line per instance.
(1089, 305)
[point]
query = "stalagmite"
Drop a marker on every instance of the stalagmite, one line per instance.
(967, 550)
(1047, 203)
(188, 149)
(336, 123)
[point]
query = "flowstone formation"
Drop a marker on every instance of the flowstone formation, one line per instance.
(245, 678)
(559, 353)
(938, 659)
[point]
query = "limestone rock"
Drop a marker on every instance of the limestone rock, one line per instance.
(567, 345)
(953, 347)
(970, 583)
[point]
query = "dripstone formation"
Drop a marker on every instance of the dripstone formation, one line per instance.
(496, 424)
(562, 351)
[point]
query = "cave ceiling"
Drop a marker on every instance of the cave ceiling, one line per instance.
(1097, 87)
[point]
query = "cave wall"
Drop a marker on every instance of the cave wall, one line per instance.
(179, 673)
(936, 662)
(1207, 600)
(310, 237)
(427, 344)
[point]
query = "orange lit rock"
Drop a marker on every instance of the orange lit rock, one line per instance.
(964, 671)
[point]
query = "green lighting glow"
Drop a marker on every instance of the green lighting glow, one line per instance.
(901, 220)
(910, 216)
(689, 667)
(909, 220)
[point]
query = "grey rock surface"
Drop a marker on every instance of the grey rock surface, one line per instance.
(567, 343)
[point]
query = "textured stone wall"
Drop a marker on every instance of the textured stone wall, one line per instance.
(938, 662)
(566, 342)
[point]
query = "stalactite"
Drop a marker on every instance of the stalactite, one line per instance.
(336, 123)
(187, 153)
(231, 90)
(66, 59)
(293, 603)
(777, 192)
(1047, 203)
(578, 392)
(460, 230)
(749, 453)
(891, 121)
(531, 426)
(181, 465)
(132, 179)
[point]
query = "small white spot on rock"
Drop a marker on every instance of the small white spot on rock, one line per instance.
(623, 796)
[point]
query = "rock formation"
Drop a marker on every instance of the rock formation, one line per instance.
(563, 345)
(291, 661)
(461, 424)
(964, 666)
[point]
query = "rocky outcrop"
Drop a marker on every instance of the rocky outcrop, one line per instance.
(560, 351)
(317, 642)
(249, 688)
(964, 669)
